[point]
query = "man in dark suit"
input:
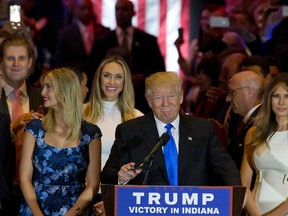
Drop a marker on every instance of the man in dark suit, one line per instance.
(6, 164)
(75, 41)
(143, 53)
(201, 158)
(245, 94)
(16, 62)
(7, 160)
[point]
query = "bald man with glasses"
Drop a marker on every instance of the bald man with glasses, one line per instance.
(245, 90)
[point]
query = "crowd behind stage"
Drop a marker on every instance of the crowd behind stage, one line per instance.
(82, 105)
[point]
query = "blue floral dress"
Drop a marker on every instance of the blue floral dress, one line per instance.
(59, 173)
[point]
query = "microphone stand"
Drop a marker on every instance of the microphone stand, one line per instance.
(162, 141)
(148, 170)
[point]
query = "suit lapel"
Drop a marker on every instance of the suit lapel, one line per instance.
(113, 41)
(78, 35)
(186, 142)
(250, 121)
(135, 41)
(3, 104)
(35, 98)
(150, 140)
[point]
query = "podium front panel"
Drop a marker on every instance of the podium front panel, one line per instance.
(171, 200)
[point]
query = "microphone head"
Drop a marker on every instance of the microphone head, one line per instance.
(161, 141)
(164, 138)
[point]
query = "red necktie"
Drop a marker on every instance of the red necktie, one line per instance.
(17, 110)
(89, 41)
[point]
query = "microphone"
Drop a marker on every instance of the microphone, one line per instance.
(161, 141)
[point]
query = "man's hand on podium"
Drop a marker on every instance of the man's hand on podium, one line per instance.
(99, 209)
(127, 172)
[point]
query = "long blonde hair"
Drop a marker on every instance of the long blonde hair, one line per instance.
(68, 94)
(126, 102)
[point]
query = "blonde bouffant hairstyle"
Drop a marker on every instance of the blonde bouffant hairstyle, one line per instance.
(165, 79)
(68, 95)
(126, 102)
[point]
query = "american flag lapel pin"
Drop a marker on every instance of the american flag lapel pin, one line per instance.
(189, 138)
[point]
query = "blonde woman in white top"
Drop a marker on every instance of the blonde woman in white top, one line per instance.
(111, 100)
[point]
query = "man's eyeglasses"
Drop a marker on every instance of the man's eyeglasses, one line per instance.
(231, 92)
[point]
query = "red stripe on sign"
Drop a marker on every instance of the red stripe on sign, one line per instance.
(162, 32)
(185, 13)
(141, 14)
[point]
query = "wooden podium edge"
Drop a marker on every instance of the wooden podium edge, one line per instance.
(238, 199)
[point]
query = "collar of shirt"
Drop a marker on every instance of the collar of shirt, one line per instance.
(161, 125)
(247, 116)
(175, 130)
(83, 28)
(9, 91)
(120, 33)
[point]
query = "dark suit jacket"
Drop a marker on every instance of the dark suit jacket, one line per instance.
(35, 100)
(145, 52)
(201, 157)
(236, 145)
(145, 59)
(7, 158)
(70, 49)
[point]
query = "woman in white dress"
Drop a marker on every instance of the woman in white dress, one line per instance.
(266, 152)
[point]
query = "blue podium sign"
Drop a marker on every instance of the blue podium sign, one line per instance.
(171, 200)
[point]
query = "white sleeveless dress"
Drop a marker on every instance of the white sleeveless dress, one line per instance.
(271, 187)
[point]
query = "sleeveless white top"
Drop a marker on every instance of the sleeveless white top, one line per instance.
(271, 187)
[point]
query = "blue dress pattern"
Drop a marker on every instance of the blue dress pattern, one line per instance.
(59, 173)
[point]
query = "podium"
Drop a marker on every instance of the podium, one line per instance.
(171, 200)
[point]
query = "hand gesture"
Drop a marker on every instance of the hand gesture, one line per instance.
(22, 121)
(127, 172)
(213, 94)
(99, 209)
(39, 113)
